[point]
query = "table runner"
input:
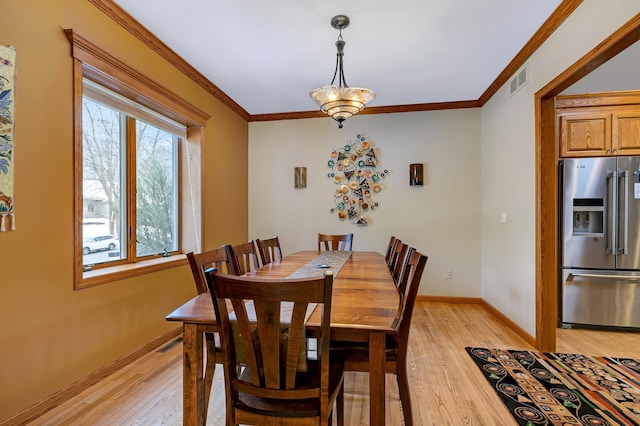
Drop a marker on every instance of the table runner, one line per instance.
(332, 258)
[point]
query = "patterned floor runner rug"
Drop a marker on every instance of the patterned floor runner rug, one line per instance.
(542, 388)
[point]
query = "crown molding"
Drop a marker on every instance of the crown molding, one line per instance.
(117, 14)
(552, 23)
(370, 110)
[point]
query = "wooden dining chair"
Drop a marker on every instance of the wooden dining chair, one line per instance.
(271, 386)
(390, 247)
(243, 258)
(269, 250)
(335, 242)
(395, 253)
(200, 263)
(356, 355)
(399, 261)
(401, 283)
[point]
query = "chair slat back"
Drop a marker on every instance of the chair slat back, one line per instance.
(199, 262)
(400, 262)
(390, 246)
(335, 242)
(412, 274)
(403, 279)
(243, 258)
(269, 250)
(395, 252)
(271, 358)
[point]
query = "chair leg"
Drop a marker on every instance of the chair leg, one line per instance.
(209, 370)
(405, 395)
(229, 419)
(340, 405)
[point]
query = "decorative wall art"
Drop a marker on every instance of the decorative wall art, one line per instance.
(7, 82)
(300, 177)
(356, 171)
(416, 174)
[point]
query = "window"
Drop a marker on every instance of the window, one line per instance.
(124, 154)
(137, 170)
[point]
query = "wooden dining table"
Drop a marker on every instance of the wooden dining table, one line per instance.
(364, 308)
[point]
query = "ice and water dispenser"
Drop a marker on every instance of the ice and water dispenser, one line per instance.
(588, 217)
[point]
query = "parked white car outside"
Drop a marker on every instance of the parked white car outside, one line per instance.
(97, 243)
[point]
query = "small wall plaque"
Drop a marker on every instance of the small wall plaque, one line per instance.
(300, 177)
(416, 175)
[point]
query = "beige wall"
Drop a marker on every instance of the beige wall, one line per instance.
(618, 73)
(52, 335)
(441, 218)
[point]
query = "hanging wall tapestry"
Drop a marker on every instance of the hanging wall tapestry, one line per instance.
(7, 96)
(357, 173)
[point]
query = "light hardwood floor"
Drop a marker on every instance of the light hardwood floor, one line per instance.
(447, 387)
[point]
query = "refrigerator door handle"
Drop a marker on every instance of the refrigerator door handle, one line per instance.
(623, 208)
(626, 277)
(610, 220)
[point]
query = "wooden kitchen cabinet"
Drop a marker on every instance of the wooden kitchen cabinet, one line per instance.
(599, 124)
(585, 134)
(625, 133)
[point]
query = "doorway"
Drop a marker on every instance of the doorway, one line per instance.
(547, 156)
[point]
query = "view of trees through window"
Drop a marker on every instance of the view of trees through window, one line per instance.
(130, 208)
(156, 179)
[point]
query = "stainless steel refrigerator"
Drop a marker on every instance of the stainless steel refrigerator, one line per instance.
(600, 246)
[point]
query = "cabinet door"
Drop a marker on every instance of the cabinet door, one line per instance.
(626, 132)
(585, 134)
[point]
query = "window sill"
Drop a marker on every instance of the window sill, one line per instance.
(120, 272)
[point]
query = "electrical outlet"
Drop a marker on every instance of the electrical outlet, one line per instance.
(449, 274)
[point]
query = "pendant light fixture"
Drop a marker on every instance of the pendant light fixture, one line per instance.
(341, 102)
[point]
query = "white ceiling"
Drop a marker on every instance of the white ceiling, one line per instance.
(268, 55)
